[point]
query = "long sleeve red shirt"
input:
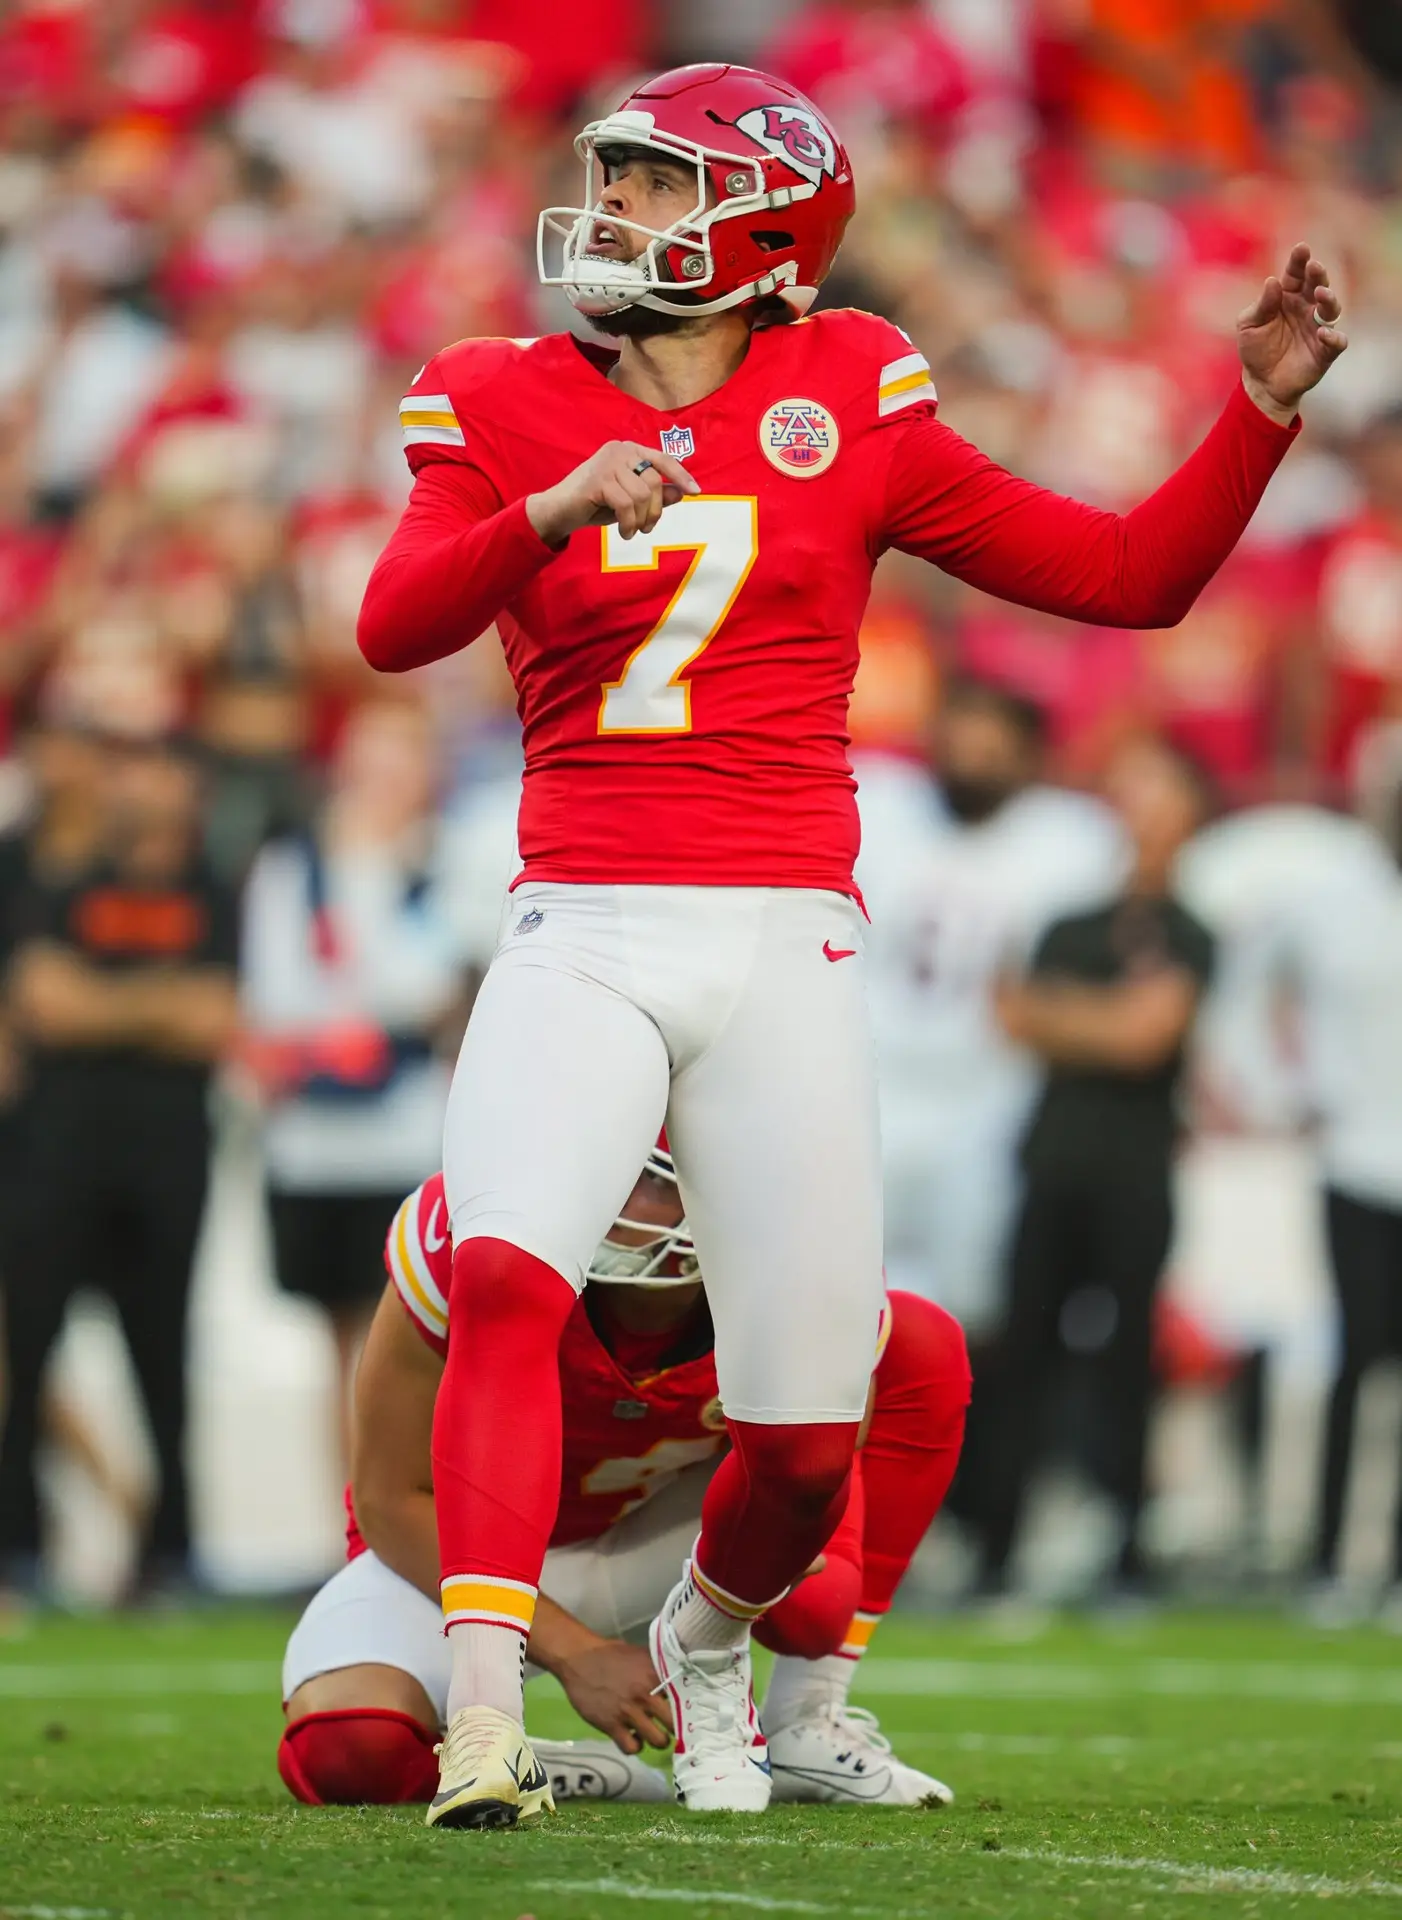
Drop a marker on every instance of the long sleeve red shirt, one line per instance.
(459, 557)
(684, 694)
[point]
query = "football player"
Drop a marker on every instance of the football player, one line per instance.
(366, 1673)
(675, 535)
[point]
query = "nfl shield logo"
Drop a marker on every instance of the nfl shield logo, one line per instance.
(678, 442)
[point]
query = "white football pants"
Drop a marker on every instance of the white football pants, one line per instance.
(368, 1615)
(738, 1015)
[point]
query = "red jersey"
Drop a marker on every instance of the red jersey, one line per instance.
(625, 1437)
(683, 694)
(1360, 623)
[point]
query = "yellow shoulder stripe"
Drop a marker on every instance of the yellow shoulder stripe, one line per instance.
(426, 417)
(921, 378)
(402, 1268)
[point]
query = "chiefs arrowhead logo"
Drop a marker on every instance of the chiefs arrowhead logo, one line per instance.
(794, 135)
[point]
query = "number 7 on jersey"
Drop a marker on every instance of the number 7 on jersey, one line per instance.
(722, 533)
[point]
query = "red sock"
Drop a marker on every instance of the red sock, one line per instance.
(772, 1505)
(358, 1757)
(912, 1445)
(496, 1425)
(812, 1618)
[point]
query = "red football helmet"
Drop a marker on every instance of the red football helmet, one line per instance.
(775, 174)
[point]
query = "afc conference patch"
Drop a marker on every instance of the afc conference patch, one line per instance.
(798, 437)
(678, 442)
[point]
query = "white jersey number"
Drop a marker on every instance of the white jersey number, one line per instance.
(647, 1474)
(722, 531)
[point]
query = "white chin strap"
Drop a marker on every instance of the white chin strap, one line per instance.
(599, 286)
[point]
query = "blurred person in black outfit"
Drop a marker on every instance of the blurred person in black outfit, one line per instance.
(122, 990)
(59, 838)
(1108, 1001)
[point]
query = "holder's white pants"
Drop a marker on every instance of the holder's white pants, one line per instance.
(368, 1615)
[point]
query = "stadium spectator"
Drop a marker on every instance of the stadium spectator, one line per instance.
(1161, 88)
(123, 993)
(352, 150)
(58, 839)
(350, 980)
(97, 361)
(1309, 1021)
(856, 59)
(1360, 603)
(1107, 1001)
(964, 864)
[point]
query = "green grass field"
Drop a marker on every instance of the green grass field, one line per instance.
(1200, 1765)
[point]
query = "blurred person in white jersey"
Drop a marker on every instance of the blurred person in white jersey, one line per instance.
(352, 978)
(964, 864)
(1317, 936)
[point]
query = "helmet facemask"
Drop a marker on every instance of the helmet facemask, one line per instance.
(653, 1255)
(598, 286)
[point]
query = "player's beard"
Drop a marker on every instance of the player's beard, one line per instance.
(640, 323)
(973, 800)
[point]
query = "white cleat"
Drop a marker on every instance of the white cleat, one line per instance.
(842, 1758)
(720, 1763)
(596, 1770)
(488, 1775)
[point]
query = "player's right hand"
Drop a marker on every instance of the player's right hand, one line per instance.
(613, 1687)
(608, 486)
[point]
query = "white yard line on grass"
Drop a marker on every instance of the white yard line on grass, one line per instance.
(56, 1913)
(1111, 1746)
(679, 1837)
(1202, 1878)
(93, 1683)
(1198, 1875)
(682, 1896)
(880, 1676)
(1057, 1680)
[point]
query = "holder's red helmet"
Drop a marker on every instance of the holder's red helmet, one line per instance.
(776, 176)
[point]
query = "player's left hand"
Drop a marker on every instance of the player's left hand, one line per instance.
(612, 1686)
(1289, 337)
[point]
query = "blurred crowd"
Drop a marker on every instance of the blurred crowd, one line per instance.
(230, 233)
